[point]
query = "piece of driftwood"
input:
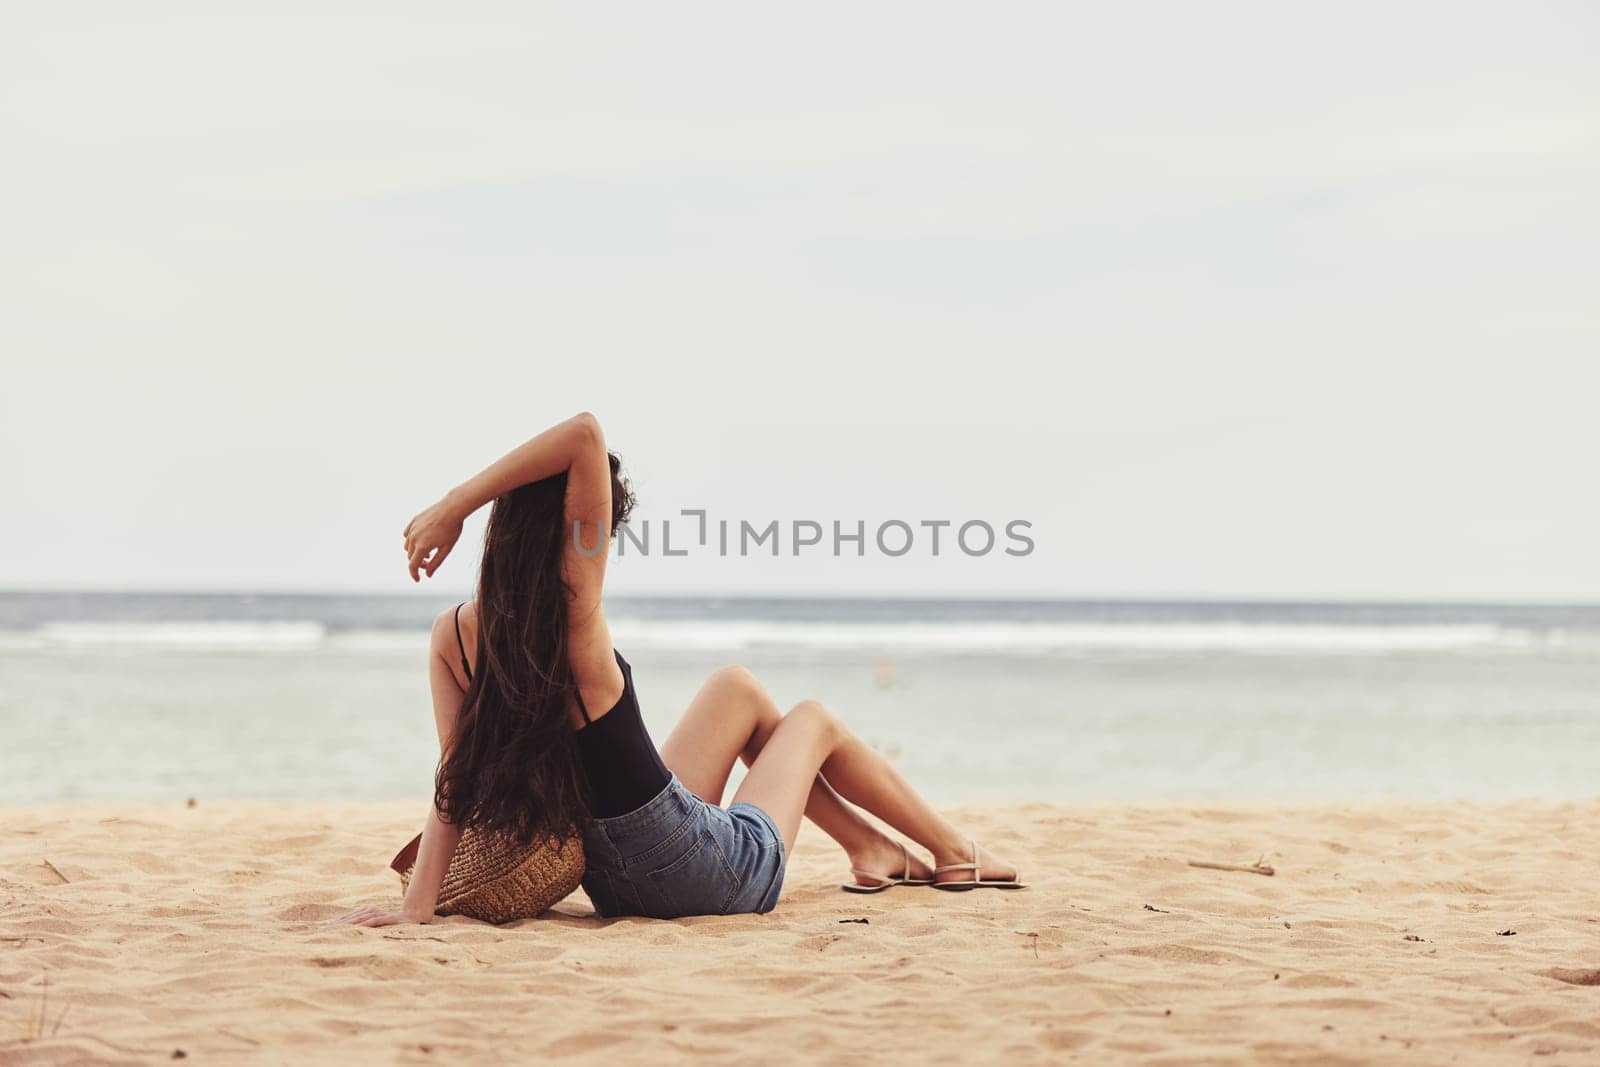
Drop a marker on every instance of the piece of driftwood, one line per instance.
(64, 879)
(1256, 868)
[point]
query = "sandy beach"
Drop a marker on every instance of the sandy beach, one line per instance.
(1434, 933)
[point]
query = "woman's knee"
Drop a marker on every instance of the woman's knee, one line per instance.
(814, 716)
(734, 678)
(738, 683)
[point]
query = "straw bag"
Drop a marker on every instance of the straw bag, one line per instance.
(496, 878)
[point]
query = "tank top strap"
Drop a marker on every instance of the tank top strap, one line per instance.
(462, 644)
(627, 684)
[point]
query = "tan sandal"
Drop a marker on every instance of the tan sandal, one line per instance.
(885, 881)
(977, 881)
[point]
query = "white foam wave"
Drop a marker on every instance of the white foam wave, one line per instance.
(732, 635)
(1045, 637)
(191, 635)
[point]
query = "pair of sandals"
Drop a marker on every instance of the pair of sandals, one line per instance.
(954, 885)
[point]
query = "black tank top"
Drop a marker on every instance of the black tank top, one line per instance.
(619, 760)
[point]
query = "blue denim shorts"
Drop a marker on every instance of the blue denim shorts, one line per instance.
(677, 855)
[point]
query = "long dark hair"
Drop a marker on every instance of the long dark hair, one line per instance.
(513, 766)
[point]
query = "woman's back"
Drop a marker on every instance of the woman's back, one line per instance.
(622, 768)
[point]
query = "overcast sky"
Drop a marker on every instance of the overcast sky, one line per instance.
(1291, 300)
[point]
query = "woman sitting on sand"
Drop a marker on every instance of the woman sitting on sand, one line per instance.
(539, 724)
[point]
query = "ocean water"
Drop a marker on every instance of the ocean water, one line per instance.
(160, 697)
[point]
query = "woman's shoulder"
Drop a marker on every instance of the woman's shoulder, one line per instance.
(455, 632)
(463, 616)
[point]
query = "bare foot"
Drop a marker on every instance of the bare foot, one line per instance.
(990, 867)
(884, 856)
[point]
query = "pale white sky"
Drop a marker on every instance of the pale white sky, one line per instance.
(1282, 301)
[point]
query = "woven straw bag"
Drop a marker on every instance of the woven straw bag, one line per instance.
(496, 878)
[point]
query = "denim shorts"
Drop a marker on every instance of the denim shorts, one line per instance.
(677, 855)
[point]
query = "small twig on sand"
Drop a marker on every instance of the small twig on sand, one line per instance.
(1256, 868)
(55, 871)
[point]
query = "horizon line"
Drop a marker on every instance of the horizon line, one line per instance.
(854, 597)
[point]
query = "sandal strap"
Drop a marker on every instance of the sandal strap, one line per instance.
(974, 866)
(890, 879)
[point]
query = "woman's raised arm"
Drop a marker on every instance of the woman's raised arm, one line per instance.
(570, 446)
(578, 448)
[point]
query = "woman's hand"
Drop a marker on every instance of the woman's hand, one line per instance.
(373, 916)
(430, 536)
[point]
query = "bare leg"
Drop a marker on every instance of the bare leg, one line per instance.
(811, 739)
(732, 717)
